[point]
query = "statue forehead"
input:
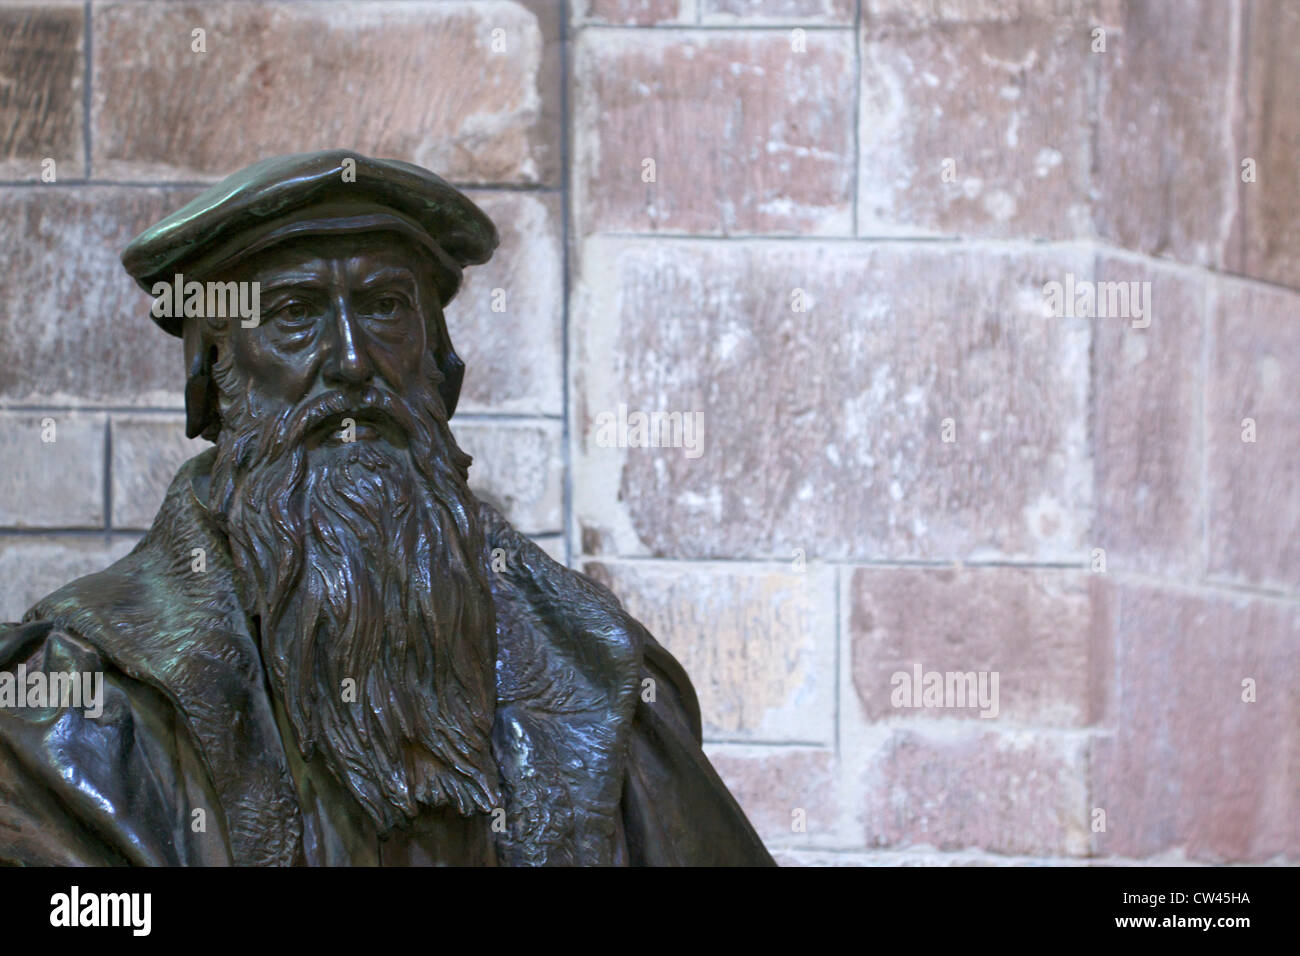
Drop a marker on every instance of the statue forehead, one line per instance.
(368, 249)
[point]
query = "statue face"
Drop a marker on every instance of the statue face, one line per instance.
(337, 314)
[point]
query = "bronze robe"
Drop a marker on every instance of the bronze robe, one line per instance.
(591, 773)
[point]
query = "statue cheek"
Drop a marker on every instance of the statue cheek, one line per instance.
(275, 366)
(397, 366)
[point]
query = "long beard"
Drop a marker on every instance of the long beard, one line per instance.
(366, 567)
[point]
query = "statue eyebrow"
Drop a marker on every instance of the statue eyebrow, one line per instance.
(387, 274)
(306, 280)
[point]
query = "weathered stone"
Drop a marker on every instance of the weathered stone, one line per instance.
(1032, 628)
(53, 475)
(1191, 765)
(513, 356)
(825, 430)
(547, 133)
(788, 793)
(757, 640)
(421, 81)
(1254, 515)
(634, 12)
(1269, 218)
(974, 128)
(32, 566)
(1022, 793)
(1167, 150)
(935, 13)
(147, 451)
(74, 328)
(1148, 389)
(794, 12)
(518, 468)
(780, 163)
(41, 117)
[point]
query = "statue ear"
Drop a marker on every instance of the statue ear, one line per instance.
(200, 393)
(449, 363)
(453, 373)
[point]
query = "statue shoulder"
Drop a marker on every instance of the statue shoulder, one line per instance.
(534, 592)
(531, 586)
(538, 594)
(82, 602)
(517, 560)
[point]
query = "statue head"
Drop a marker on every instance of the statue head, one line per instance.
(284, 201)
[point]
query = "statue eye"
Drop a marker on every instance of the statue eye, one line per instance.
(385, 305)
(295, 313)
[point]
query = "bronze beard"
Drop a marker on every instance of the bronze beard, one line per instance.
(368, 564)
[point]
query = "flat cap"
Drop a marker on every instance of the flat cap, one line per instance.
(331, 191)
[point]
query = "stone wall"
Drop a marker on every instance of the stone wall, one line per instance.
(815, 237)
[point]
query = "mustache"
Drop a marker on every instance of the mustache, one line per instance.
(369, 405)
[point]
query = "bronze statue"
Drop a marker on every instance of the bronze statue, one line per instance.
(326, 651)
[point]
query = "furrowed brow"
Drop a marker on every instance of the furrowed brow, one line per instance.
(294, 280)
(388, 275)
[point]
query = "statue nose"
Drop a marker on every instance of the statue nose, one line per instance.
(348, 363)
